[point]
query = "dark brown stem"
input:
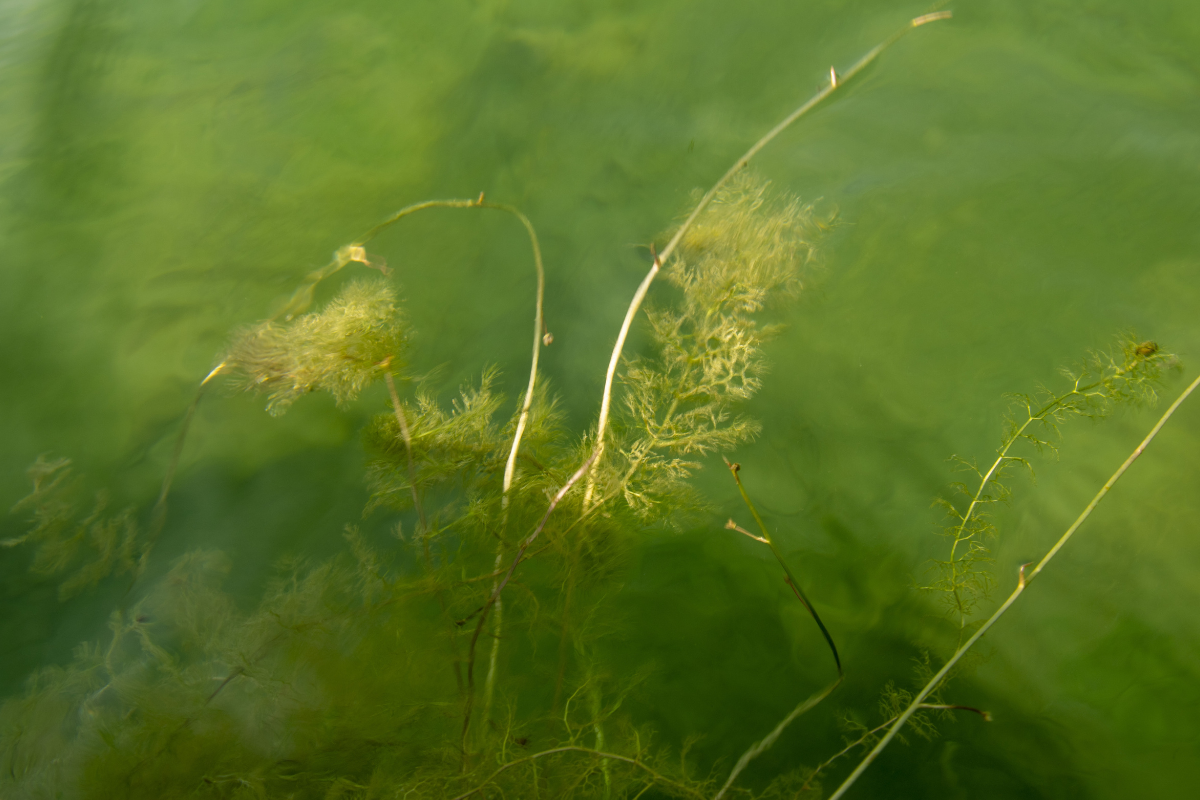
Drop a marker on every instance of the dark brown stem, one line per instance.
(469, 703)
(790, 579)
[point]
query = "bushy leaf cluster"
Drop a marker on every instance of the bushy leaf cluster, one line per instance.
(364, 676)
(746, 249)
(90, 546)
(340, 349)
(1125, 375)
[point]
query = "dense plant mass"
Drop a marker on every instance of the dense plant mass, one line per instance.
(192, 696)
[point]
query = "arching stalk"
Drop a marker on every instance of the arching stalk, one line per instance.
(1023, 582)
(835, 82)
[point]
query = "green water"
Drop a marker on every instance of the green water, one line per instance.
(1013, 187)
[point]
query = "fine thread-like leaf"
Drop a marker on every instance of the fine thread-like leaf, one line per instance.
(1124, 375)
(340, 349)
(95, 545)
(1023, 581)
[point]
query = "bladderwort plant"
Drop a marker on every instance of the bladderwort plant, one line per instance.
(397, 669)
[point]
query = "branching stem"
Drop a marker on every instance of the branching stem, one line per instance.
(836, 83)
(791, 579)
(866, 737)
(760, 747)
(407, 436)
(977, 499)
(657, 776)
(1023, 583)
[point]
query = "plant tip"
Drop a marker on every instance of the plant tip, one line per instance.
(934, 17)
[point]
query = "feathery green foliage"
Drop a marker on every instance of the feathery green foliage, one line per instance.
(1124, 375)
(340, 350)
(1127, 374)
(680, 401)
(95, 545)
(192, 696)
(462, 443)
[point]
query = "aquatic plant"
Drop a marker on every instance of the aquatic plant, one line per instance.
(95, 546)
(505, 523)
(190, 692)
(1126, 375)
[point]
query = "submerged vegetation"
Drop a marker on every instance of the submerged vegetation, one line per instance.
(511, 536)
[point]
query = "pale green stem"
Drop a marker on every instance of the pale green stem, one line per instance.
(836, 82)
(1041, 415)
(539, 338)
(966, 518)
(758, 748)
(1022, 583)
(406, 435)
(355, 252)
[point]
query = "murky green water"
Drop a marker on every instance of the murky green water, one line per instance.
(1014, 187)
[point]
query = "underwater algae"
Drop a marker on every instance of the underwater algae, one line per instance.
(497, 521)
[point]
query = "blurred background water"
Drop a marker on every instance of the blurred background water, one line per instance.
(1014, 187)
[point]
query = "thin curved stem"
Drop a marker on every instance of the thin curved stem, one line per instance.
(791, 579)
(1044, 413)
(977, 499)
(302, 297)
(862, 740)
(540, 337)
(356, 252)
(760, 747)
(495, 597)
(1023, 582)
(406, 434)
(836, 82)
